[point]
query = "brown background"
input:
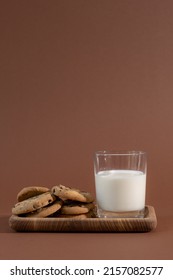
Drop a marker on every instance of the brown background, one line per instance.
(75, 77)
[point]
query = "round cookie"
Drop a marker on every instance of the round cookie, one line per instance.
(33, 203)
(67, 193)
(76, 208)
(46, 211)
(30, 191)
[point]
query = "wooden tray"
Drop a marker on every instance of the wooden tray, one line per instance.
(55, 224)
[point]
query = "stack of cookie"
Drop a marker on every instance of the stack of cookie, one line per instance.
(60, 201)
(76, 203)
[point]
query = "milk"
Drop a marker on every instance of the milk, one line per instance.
(120, 190)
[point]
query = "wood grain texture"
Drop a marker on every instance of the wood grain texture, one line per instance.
(55, 224)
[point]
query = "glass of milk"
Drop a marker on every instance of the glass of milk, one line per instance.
(120, 183)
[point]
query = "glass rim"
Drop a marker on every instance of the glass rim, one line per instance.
(119, 153)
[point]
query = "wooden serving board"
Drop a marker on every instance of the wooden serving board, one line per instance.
(55, 224)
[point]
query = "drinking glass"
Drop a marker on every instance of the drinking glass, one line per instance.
(120, 183)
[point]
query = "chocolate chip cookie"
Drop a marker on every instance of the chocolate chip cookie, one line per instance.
(33, 203)
(67, 193)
